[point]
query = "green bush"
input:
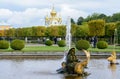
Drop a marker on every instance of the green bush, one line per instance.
(61, 43)
(4, 44)
(102, 45)
(17, 44)
(82, 44)
(49, 43)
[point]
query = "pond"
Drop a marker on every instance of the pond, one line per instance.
(46, 69)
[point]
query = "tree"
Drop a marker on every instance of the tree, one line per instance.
(52, 31)
(62, 31)
(72, 21)
(47, 32)
(102, 16)
(27, 32)
(40, 31)
(78, 32)
(10, 32)
(34, 31)
(19, 32)
(97, 27)
(80, 20)
(118, 31)
(109, 31)
(116, 17)
(82, 30)
(73, 29)
(108, 19)
(94, 16)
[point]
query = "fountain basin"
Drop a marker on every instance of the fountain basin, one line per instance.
(45, 68)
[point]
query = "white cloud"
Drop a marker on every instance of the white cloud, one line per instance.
(32, 12)
(66, 11)
(5, 13)
(29, 17)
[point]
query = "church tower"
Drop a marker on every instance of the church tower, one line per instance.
(53, 19)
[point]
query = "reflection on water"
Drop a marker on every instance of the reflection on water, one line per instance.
(74, 77)
(46, 69)
(113, 68)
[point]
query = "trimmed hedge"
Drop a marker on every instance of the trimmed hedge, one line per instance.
(102, 45)
(82, 44)
(4, 44)
(49, 43)
(17, 44)
(61, 43)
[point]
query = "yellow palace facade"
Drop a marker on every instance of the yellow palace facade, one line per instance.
(53, 19)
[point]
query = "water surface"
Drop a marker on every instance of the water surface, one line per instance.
(46, 69)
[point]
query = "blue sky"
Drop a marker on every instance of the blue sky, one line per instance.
(24, 13)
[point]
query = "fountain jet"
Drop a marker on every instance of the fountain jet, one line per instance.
(68, 34)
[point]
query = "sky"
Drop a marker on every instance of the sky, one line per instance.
(26, 13)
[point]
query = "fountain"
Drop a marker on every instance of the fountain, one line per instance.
(71, 65)
(68, 34)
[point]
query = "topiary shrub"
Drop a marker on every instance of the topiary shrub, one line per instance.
(4, 44)
(17, 44)
(48, 43)
(102, 45)
(61, 43)
(82, 44)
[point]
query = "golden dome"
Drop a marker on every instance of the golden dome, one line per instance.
(53, 12)
(53, 19)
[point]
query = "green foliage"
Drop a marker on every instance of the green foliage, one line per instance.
(17, 44)
(115, 17)
(61, 43)
(10, 32)
(19, 32)
(82, 44)
(109, 29)
(49, 43)
(97, 27)
(80, 20)
(52, 31)
(73, 29)
(27, 32)
(95, 16)
(38, 31)
(118, 31)
(82, 30)
(4, 44)
(61, 30)
(72, 21)
(102, 45)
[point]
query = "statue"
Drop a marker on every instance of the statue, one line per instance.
(72, 65)
(71, 61)
(87, 53)
(112, 58)
(79, 67)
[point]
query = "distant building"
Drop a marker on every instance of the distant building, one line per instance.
(53, 19)
(3, 28)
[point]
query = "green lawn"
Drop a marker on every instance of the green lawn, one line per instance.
(44, 48)
(37, 49)
(59, 49)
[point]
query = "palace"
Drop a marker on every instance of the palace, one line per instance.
(53, 19)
